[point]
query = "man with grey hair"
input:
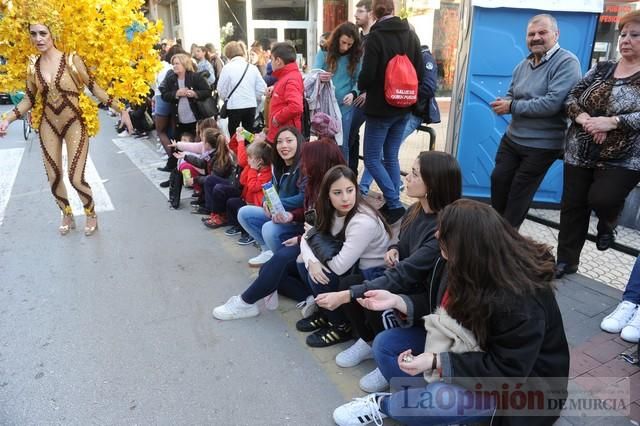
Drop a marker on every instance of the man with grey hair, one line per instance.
(534, 138)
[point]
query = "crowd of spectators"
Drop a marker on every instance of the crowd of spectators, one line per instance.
(448, 290)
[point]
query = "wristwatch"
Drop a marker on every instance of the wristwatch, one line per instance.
(617, 120)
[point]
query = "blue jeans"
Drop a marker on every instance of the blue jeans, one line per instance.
(366, 179)
(428, 405)
(391, 343)
(279, 273)
(383, 136)
(632, 290)
(267, 234)
(437, 404)
(347, 116)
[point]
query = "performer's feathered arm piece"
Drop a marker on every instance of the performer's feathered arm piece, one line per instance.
(86, 79)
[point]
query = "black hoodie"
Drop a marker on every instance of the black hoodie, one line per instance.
(388, 38)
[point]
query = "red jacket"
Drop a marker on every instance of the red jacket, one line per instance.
(251, 179)
(286, 100)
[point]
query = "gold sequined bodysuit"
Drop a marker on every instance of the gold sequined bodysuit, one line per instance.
(62, 120)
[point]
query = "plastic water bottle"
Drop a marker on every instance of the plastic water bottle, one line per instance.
(186, 176)
(272, 199)
(248, 136)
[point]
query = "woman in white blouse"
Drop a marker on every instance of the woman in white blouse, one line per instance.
(241, 102)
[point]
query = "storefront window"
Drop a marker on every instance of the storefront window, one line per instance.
(298, 37)
(289, 10)
(445, 44)
(606, 45)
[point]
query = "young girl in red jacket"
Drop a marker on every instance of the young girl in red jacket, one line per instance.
(255, 160)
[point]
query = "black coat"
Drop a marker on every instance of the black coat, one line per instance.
(526, 339)
(387, 38)
(193, 81)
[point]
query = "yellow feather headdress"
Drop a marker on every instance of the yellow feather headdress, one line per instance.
(113, 37)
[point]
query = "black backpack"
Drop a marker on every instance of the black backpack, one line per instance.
(175, 188)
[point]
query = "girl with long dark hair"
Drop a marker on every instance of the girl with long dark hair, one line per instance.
(344, 216)
(435, 181)
(499, 290)
(269, 232)
(341, 62)
(280, 274)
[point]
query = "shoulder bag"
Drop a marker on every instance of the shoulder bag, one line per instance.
(223, 110)
(323, 246)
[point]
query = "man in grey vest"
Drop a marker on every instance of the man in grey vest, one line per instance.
(534, 138)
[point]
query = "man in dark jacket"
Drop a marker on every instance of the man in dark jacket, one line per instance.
(389, 36)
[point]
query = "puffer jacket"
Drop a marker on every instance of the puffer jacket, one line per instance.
(286, 105)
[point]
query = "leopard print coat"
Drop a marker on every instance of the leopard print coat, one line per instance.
(600, 94)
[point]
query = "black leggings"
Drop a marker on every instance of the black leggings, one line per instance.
(366, 324)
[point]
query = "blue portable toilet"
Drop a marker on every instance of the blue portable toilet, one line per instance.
(492, 42)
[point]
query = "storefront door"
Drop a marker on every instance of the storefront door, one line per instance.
(280, 20)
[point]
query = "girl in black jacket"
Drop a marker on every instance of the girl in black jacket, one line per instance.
(498, 286)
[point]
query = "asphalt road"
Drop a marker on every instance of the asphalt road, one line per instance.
(116, 328)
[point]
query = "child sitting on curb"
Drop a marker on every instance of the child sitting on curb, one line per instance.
(226, 200)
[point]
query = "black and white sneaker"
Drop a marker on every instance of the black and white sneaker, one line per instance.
(246, 239)
(360, 411)
(234, 230)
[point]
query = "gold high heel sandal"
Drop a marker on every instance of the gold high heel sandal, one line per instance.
(90, 229)
(68, 221)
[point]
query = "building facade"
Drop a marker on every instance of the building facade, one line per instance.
(437, 23)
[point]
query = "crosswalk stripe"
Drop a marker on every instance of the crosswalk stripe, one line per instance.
(100, 195)
(9, 164)
(147, 160)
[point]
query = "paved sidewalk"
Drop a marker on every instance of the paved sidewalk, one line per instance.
(595, 361)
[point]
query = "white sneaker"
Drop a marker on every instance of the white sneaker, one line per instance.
(308, 307)
(235, 308)
(355, 354)
(631, 331)
(360, 411)
(374, 382)
(271, 301)
(616, 320)
(261, 259)
(123, 134)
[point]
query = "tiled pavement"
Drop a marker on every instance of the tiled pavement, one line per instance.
(595, 362)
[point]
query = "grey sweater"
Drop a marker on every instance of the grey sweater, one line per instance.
(538, 94)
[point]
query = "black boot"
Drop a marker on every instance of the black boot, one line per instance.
(175, 188)
(172, 163)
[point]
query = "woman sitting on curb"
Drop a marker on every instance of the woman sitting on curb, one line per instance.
(280, 273)
(435, 181)
(269, 232)
(500, 289)
(342, 215)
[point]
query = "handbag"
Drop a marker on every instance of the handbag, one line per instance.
(207, 107)
(223, 110)
(323, 246)
(234, 179)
